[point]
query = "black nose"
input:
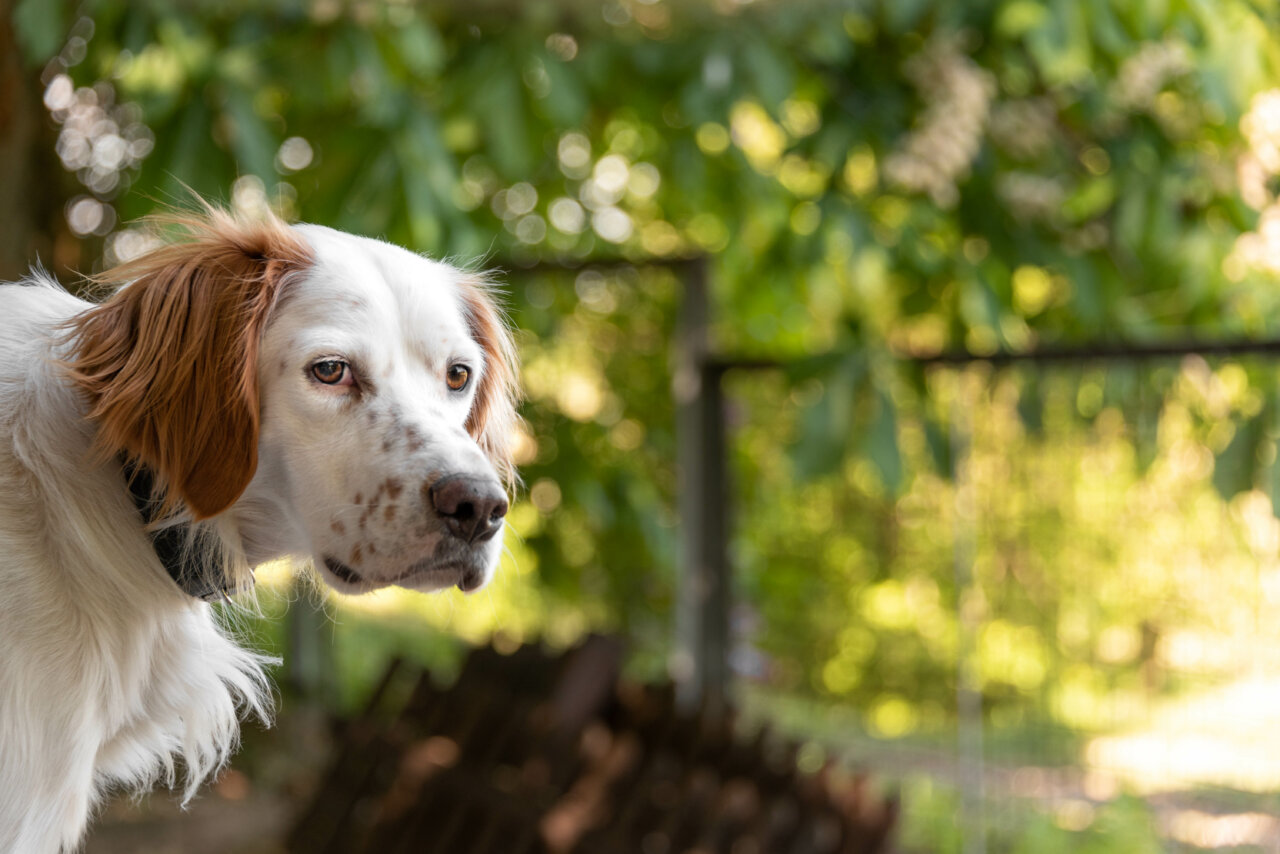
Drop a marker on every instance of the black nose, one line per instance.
(472, 508)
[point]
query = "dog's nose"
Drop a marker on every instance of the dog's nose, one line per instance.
(472, 508)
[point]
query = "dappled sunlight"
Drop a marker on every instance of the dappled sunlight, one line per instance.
(276, 576)
(1068, 569)
(1209, 830)
(1223, 737)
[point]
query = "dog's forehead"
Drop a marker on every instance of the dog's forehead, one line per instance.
(362, 279)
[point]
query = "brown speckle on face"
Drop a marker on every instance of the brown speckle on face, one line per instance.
(372, 549)
(413, 439)
(394, 487)
(359, 499)
(338, 527)
(372, 507)
(357, 556)
(390, 512)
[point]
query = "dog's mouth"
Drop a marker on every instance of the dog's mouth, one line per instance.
(465, 579)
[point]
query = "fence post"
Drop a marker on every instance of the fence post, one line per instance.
(969, 746)
(309, 664)
(699, 665)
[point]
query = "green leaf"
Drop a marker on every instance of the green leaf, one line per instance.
(567, 102)
(881, 443)
(40, 27)
(941, 452)
(190, 164)
(901, 16)
(254, 147)
(428, 177)
(1020, 17)
(770, 72)
(1090, 199)
(1235, 467)
(1031, 407)
(826, 426)
(420, 48)
(1061, 48)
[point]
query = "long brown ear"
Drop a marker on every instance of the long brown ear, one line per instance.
(493, 413)
(169, 361)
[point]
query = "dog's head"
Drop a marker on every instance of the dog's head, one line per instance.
(338, 396)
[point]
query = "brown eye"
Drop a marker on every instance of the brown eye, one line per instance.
(332, 372)
(457, 377)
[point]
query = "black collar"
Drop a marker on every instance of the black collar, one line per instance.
(195, 571)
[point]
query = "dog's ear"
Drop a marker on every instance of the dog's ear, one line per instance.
(492, 420)
(169, 361)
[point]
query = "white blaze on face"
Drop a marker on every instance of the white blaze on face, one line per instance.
(369, 370)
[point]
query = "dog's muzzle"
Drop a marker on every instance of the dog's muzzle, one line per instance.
(472, 508)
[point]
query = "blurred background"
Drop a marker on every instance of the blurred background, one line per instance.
(770, 264)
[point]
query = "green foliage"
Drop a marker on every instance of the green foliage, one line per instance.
(872, 179)
(41, 28)
(933, 822)
(871, 175)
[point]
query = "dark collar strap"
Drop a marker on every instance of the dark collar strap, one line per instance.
(198, 574)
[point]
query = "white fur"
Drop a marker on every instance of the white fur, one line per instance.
(109, 673)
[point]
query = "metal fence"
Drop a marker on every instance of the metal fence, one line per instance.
(1102, 554)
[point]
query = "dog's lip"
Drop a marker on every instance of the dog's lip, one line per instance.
(342, 571)
(468, 579)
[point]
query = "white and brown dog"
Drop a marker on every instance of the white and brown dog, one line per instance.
(251, 391)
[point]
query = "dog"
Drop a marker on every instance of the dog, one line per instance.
(250, 391)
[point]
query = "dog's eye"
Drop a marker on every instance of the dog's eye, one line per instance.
(332, 372)
(457, 377)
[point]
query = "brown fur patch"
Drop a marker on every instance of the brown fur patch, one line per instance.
(338, 527)
(169, 364)
(493, 413)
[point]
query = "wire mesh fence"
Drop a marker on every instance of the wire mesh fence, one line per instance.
(1058, 625)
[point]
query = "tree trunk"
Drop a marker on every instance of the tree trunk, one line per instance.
(33, 186)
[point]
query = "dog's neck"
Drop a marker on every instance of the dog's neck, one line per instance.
(198, 571)
(265, 528)
(266, 522)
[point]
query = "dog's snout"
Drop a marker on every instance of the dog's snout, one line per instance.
(472, 508)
